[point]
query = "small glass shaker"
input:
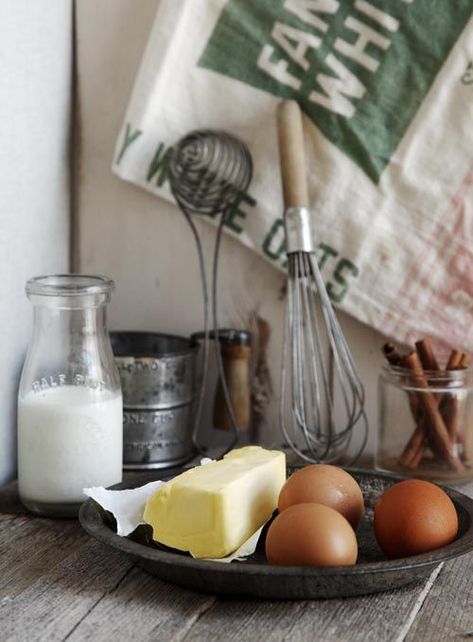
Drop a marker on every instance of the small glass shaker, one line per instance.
(425, 424)
(70, 425)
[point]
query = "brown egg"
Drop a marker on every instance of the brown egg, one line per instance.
(324, 484)
(414, 517)
(311, 535)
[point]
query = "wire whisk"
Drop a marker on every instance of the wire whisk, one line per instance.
(209, 170)
(322, 396)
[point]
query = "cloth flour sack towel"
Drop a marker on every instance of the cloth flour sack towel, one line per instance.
(387, 91)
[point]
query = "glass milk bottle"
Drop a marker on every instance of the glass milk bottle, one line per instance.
(70, 427)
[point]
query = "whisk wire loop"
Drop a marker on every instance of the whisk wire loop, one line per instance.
(209, 169)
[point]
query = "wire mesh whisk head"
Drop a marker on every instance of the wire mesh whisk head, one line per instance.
(208, 170)
(322, 397)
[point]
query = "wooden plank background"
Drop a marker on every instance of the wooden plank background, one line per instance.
(57, 583)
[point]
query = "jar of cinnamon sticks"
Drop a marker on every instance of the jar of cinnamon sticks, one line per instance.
(426, 414)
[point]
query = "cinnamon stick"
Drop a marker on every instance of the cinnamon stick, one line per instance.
(409, 457)
(394, 358)
(426, 354)
(413, 452)
(415, 447)
(449, 404)
(434, 425)
(454, 359)
(464, 361)
(392, 354)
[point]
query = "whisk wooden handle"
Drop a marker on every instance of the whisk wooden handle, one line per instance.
(291, 149)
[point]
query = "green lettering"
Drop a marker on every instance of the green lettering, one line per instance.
(159, 166)
(237, 213)
(128, 139)
(343, 266)
(295, 43)
(323, 252)
(275, 242)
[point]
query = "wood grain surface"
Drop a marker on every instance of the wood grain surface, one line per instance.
(448, 612)
(58, 584)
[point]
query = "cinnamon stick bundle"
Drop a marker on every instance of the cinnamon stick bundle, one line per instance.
(415, 447)
(436, 416)
(434, 424)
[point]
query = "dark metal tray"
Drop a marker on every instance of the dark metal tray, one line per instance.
(255, 577)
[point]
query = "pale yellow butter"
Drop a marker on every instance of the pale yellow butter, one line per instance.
(211, 510)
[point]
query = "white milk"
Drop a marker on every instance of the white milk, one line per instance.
(69, 438)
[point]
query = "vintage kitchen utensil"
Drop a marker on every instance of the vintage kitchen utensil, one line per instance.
(208, 171)
(322, 397)
(255, 577)
(157, 374)
(425, 409)
(236, 355)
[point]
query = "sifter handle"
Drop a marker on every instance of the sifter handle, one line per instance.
(291, 149)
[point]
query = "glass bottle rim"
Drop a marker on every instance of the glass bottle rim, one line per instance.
(433, 376)
(69, 285)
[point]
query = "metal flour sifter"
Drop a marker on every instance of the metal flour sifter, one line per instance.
(322, 397)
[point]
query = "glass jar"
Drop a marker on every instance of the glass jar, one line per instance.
(70, 427)
(425, 423)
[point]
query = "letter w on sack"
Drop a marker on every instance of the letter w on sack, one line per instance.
(338, 89)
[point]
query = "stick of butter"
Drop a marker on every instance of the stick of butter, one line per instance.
(211, 510)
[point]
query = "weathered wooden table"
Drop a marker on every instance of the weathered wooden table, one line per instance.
(56, 583)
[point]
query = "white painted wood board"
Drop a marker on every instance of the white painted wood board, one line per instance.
(35, 109)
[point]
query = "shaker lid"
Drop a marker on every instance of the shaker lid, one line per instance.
(227, 336)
